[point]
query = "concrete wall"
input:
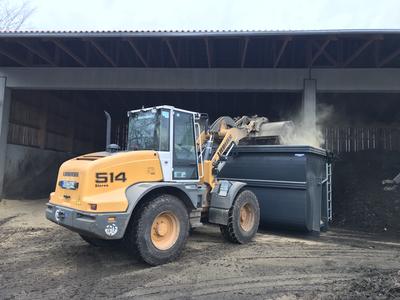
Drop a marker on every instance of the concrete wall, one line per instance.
(30, 172)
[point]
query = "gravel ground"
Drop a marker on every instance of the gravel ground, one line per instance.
(40, 260)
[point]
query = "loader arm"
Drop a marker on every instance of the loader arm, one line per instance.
(231, 137)
(227, 133)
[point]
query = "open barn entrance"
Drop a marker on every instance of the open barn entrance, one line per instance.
(362, 130)
(48, 127)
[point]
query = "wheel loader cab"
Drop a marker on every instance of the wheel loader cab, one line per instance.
(170, 132)
(151, 194)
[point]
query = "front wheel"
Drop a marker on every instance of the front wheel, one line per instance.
(160, 229)
(244, 218)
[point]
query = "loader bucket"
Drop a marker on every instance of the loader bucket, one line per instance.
(273, 133)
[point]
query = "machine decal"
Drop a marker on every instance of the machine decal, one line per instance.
(151, 170)
(71, 174)
(224, 188)
(103, 178)
(111, 229)
(180, 174)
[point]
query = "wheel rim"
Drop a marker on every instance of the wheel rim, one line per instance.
(247, 217)
(165, 230)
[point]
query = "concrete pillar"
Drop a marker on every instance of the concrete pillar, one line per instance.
(310, 104)
(5, 101)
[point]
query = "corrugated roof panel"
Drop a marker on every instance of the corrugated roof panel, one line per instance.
(117, 33)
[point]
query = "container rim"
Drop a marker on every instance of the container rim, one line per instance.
(281, 149)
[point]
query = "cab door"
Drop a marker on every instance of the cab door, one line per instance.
(185, 165)
(165, 144)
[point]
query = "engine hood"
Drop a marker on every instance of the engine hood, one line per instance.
(101, 178)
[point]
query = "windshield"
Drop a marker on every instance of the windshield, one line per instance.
(149, 130)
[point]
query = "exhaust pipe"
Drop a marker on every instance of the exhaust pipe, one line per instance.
(108, 129)
(110, 147)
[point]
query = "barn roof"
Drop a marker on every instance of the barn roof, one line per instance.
(202, 49)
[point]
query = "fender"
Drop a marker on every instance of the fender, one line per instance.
(220, 203)
(225, 202)
(137, 192)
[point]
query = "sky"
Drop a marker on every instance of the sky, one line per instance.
(214, 14)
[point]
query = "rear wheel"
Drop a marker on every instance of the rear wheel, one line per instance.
(159, 230)
(100, 242)
(244, 218)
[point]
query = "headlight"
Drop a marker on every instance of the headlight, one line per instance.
(68, 185)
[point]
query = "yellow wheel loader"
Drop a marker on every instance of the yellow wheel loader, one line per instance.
(150, 195)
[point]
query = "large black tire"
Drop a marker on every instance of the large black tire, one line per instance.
(236, 232)
(141, 232)
(100, 242)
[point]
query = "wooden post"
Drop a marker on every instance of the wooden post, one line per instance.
(5, 102)
(72, 126)
(43, 125)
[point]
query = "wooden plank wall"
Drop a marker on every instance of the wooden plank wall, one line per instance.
(355, 139)
(50, 121)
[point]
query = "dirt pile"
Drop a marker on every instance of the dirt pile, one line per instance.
(359, 198)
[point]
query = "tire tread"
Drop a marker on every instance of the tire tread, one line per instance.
(228, 231)
(138, 225)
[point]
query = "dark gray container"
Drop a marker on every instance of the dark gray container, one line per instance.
(292, 183)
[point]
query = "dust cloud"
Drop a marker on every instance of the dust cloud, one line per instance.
(304, 133)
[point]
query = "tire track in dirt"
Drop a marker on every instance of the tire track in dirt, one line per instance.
(5, 220)
(231, 284)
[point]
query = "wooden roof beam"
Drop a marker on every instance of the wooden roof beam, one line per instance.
(68, 51)
(137, 52)
(281, 51)
(172, 52)
(14, 58)
(319, 52)
(325, 54)
(244, 52)
(389, 58)
(358, 52)
(208, 52)
(101, 50)
(38, 51)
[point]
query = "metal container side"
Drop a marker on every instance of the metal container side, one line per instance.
(288, 181)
